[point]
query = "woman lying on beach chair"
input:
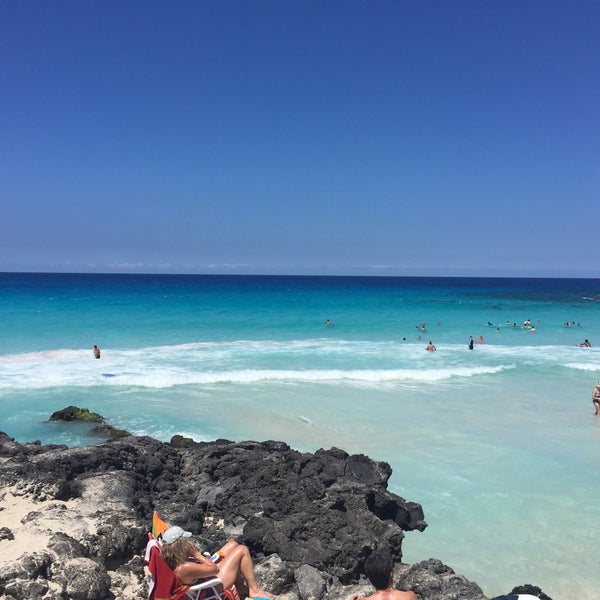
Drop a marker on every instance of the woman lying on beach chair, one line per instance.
(164, 584)
(229, 563)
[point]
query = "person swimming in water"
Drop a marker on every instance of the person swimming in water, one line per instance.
(431, 347)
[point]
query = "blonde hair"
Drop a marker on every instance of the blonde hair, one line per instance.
(178, 552)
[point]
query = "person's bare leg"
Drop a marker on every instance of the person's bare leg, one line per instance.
(228, 547)
(238, 560)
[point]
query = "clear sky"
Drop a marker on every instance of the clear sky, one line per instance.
(336, 136)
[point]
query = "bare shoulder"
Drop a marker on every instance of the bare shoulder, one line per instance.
(398, 595)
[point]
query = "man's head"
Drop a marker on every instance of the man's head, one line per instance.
(379, 567)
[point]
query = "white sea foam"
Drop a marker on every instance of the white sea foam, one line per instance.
(245, 362)
(584, 366)
(154, 378)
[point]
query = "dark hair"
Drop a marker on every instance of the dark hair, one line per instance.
(379, 567)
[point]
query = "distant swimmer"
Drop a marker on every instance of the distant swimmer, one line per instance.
(480, 340)
(328, 323)
(470, 342)
(596, 398)
(431, 347)
(585, 344)
(96, 351)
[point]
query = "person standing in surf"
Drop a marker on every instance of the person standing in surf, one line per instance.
(96, 351)
(596, 398)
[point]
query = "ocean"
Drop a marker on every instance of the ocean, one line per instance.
(499, 444)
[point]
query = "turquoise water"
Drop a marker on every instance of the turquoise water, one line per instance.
(499, 444)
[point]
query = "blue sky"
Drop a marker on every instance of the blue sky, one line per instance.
(380, 137)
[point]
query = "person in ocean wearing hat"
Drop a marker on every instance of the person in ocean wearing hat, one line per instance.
(596, 398)
(190, 565)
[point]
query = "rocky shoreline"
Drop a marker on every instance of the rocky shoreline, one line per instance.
(74, 521)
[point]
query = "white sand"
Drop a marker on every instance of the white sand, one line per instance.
(32, 522)
(33, 531)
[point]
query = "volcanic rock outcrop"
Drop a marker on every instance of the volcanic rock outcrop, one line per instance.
(74, 521)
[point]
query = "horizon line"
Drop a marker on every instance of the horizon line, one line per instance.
(452, 274)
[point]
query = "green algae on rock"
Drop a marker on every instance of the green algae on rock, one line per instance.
(73, 413)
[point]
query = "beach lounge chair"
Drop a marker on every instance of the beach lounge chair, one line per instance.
(165, 585)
